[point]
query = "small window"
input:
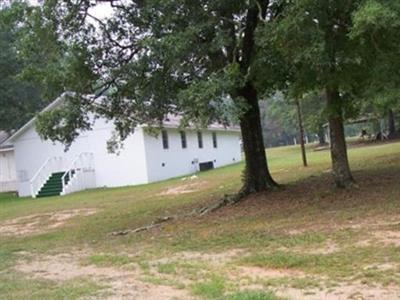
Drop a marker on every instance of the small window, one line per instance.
(164, 135)
(183, 140)
(214, 138)
(200, 139)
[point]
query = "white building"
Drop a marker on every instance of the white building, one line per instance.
(8, 176)
(43, 168)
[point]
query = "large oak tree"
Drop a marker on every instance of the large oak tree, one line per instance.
(152, 58)
(314, 38)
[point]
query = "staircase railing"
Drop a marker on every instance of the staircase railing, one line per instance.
(50, 166)
(80, 174)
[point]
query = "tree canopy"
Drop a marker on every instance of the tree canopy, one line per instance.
(213, 61)
(197, 59)
(19, 99)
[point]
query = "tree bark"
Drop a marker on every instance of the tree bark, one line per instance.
(340, 163)
(256, 177)
(301, 130)
(392, 125)
(377, 130)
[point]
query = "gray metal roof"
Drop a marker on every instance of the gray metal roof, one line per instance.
(172, 121)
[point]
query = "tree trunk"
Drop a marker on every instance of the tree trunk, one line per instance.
(256, 176)
(340, 163)
(301, 130)
(377, 130)
(392, 125)
(321, 136)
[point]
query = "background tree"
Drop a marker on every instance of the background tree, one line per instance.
(279, 119)
(313, 37)
(377, 29)
(19, 99)
(314, 114)
(301, 130)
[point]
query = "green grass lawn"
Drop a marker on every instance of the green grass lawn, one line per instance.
(305, 240)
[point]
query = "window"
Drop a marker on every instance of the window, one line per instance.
(214, 138)
(164, 135)
(183, 140)
(200, 139)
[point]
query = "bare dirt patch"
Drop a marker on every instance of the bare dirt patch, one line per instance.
(212, 258)
(121, 283)
(384, 237)
(40, 223)
(382, 267)
(355, 291)
(255, 273)
(341, 291)
(327, 248)
(183, 189)
(126, 282)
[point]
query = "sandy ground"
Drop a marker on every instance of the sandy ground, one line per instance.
(188, 186)
(125, 282)
(122, 284)
(41, 223)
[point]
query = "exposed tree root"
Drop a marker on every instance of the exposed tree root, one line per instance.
(225, 201)
(352, 184)
(154, 224)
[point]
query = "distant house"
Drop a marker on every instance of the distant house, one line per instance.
(43, 168)
(8, 176)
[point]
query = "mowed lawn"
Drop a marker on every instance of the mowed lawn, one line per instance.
(305, 240)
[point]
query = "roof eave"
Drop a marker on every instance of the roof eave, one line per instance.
(7, 149)
(225, 129)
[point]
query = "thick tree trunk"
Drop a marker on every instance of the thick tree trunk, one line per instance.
(256, 176)
(392, 125)
(301, 130)
(340, 163)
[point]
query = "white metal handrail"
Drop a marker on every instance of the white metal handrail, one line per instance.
(51, 165)
(82, 164)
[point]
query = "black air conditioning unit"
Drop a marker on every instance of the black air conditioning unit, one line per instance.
(208, 165)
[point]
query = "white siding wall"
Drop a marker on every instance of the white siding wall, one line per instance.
(8, 177)
(178, 161)
(140, 160)
(111, 169)
(128, 167)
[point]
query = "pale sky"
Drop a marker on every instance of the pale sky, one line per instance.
(100, 11)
